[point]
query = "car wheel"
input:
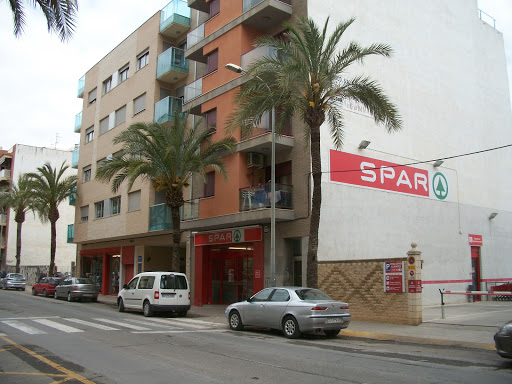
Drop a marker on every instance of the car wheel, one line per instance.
(148, 311)
(291, 327)
(70, 298)
(332, 333)
(235, 321)
(120, 305)
(34, 293)
(45, 294)
(182, 313)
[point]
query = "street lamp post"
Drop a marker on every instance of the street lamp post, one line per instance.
(237, 69)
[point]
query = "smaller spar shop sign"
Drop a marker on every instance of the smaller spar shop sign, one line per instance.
(362, 171)
(228, 236)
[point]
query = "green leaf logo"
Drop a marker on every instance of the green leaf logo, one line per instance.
(440, 185)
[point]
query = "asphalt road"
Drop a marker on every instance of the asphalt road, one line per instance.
(43, 340)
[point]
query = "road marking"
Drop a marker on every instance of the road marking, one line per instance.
(120, 324)
(180, 322)
(180, 331)
(23, 327)
(93, 325)
(58, 326)
(31, 318)
(145, 322)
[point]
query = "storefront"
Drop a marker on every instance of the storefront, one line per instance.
(228, 265)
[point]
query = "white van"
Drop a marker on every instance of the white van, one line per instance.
(151, 292)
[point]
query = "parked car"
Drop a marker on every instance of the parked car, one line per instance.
(76, 288)
(503, 340)
(46, 286)
(13, 280)
(151, 292)
(293, 310)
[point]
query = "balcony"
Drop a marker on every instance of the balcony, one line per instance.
(260, 139)
(259, 197)
(3, 219)
(74, 158)
(5, 174)
(193, 90)
(175, 19)
(72, 197)
(166, 108)
(160, 217)
(78, 122)
(266, 14)
(250, 57)
(172, 65)
(71, 233)
(81, 86)
(200, 5)
(195, 44)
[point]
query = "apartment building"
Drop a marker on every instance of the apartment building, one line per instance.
(35, 249)
(454, 100)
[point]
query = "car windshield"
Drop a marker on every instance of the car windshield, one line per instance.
(84, 281)
(173, 282)
(312, 294)
(16, 276)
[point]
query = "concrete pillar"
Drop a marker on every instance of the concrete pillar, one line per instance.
(413, 285)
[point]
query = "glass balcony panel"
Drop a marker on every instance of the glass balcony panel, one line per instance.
(195, 36)
(78, 122)
(3, 219)
(190, 210)
(74, 158)
(265, 126)
(81, 86)
(71, 233)
(72, 197)
(256, 54)
(160, 217)
(5, 174)
(177, 11)
(258, 197)
(194, 90)
(172, 60)
(166, 108)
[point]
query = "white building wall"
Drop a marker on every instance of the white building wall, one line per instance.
(448, 79)
(35, 240)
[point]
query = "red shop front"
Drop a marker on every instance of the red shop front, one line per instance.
(228, 265)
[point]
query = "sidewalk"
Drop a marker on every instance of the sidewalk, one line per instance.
(469, 325)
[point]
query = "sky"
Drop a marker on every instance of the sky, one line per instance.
(39, 81)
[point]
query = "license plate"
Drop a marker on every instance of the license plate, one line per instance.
(331, 321)
(168, 294)
(87, 294)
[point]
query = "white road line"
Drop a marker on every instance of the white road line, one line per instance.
(30, 318)
(58, 326)
(145, 322)
(174, 322)
(23, 327)
(120, 324)
(181, 331)
(93, 325)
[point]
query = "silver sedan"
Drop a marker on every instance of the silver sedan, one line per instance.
(291, 309)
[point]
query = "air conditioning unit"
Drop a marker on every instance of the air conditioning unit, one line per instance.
(255, 160)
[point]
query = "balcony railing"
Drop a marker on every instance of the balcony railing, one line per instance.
(265, 126)
(5, 174)
(81, 86)
(256, 54)
(174, 17)
(195, 36)
(194, 90)
(74, 158)
(172, 65)
(78, 122)
(166, 108)
(72, 197)
(71, 233)
(160, 217)
(3, 219)
(258, 197)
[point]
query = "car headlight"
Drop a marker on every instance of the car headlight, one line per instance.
(506, 329)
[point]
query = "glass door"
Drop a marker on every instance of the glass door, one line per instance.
(231, 277)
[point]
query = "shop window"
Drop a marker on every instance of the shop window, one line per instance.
(209, 186)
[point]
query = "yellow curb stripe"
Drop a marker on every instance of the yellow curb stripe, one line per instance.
(71, 374)
(34, 374)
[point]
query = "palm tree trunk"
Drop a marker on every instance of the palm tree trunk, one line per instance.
(316, 167)
(18, 246)
(176, 238)
(53, 248)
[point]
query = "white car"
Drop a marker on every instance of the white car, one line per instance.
(13, 280)
(152, 292)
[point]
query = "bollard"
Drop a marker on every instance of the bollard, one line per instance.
(442, 304)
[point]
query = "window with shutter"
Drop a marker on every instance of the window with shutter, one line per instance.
(213, 61)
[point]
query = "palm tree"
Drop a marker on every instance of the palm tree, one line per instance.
(60, 16)
(49, 188)
(168, 156)
(308, 76)
(19, 199)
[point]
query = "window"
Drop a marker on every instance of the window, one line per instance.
(92, 96)
(104, 125)
(212, 61)
(146, 282)
(89, 134)
(209, 186)
(115, 205)
(134, 201)
(107, 85)
(133, 283)
(120, 116)
(123, 74)
(211, 120)
(86, 174)
(214, 8)
(173, 282)
(84, 214)
(139, 104)
(280, 295)
(143, 59)
(99, 209)
(262, 295)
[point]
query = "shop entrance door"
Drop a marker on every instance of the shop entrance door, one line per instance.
(475, 271)
(231, 277)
